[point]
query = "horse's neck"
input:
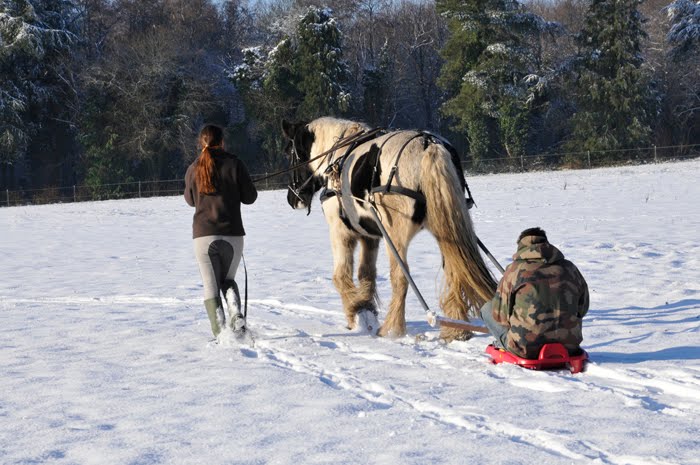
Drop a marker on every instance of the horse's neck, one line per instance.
(330, 133)
(323, 162)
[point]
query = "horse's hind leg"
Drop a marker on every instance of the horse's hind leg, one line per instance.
(395, 321)
(400, 233)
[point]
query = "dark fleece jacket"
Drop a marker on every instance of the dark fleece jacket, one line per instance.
(219, 213)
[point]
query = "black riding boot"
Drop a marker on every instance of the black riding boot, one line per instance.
(233, 304)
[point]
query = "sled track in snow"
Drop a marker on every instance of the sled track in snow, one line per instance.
(636, 386)
(269, 347)
(316, 351)
(669, 391)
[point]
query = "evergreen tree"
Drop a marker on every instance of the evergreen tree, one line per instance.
(156, 82)
(301, 78)
(268, 85)
(35, 42)
(375, 85)
(684, 33)
(615, 107)
(490, 73)
(319, 65)
(684, 49)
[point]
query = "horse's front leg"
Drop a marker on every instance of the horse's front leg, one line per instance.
(364, 305)
(367, 275)
(343, 245)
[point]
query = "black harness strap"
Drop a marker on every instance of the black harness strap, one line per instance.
(389, 189)
(337, 167)
(326, 194)
(338, 164)
(398, 157)
(379, 154)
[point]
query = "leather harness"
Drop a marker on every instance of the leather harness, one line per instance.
(334, 170)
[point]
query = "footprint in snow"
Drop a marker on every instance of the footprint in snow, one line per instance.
(249, 353)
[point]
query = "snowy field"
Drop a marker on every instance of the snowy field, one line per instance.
(105, 355)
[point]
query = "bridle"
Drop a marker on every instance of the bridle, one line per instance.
(297, 185)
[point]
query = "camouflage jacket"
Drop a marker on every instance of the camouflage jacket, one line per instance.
(541, 298)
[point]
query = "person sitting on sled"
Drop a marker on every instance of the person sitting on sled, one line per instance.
(541, 298)
(216, 184)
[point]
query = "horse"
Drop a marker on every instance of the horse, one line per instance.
(414, 181)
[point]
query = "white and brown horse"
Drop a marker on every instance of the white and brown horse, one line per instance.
(414, 180)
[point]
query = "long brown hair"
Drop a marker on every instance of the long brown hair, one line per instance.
(210, 137)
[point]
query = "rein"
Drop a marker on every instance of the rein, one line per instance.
(339, 144)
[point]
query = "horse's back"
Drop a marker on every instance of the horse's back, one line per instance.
(403, 151)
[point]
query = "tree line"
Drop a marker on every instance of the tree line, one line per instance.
(103, 91)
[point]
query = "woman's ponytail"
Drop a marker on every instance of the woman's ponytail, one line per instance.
(205, 172)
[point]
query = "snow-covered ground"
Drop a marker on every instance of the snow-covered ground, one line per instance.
(105, 359)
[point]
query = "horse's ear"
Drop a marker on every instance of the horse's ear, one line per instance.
(355, 128)
(289, 129)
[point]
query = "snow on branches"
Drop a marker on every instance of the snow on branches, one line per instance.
(684, 33)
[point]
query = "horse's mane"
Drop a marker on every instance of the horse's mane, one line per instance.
(328, 130)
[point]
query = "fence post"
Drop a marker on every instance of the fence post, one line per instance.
(139, 189)
(7, 192)
(75, 199)
(522, 162)
(589, 159)
(655, 160)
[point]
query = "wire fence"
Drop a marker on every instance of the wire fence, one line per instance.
(113, 191)
(542, 162)
(584, 159)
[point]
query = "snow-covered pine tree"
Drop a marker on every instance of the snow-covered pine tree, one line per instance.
(684, 33)
(684, 49)
(491, 71)
(34, 35)
(267, 85)
(301, 78)
(322, 73)
(615, 106)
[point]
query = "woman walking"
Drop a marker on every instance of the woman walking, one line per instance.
(216, 184)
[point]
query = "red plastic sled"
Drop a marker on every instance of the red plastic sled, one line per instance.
(553, 355)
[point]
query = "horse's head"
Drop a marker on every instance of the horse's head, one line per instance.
(304, 181)
(311, 147)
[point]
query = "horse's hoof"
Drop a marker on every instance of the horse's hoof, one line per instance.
(391, 333)
(385, 331)
(450, 335)
(366, 322)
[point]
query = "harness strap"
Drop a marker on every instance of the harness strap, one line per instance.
(398, 157)
(326, 194)
(338, 164)
(339, 144)
(389, 189)
(418, 196)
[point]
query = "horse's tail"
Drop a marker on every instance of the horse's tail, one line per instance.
(468, 281)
